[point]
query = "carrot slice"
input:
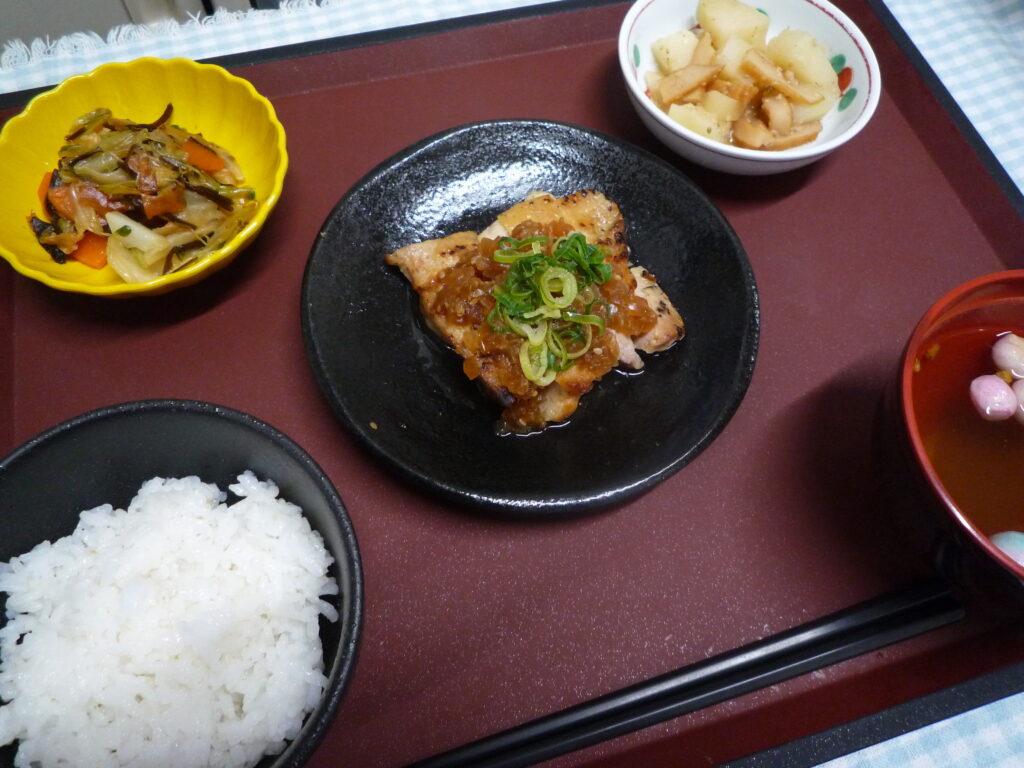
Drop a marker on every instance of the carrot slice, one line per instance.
(91, 250)
(171, 200)
(61, 199)
(44, 185)
(202, 157)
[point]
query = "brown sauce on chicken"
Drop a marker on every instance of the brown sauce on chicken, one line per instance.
(463, 299)
(455, 277)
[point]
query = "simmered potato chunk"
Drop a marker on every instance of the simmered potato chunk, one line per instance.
(723, 19)
(726, 81)
(798, 52)
(674, 51)
(699, 120)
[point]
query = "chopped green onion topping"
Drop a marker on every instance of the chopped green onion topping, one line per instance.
(123, 231)
(548, 300)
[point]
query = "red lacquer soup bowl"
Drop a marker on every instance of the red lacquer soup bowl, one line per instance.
(971, 468)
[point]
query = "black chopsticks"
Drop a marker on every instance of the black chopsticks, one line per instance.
(898, 615)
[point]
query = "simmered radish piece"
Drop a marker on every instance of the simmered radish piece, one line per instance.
(766, 72)
(674, 87)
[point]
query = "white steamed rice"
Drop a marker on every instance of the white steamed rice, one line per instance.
(181, 632)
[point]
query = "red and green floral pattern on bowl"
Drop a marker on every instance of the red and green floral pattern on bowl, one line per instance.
(845, 75)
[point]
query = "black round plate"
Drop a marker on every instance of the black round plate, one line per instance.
(402, 392)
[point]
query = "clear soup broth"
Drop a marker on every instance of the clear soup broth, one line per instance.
(981, 463)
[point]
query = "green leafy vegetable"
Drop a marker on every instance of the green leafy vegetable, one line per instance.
(548, 298)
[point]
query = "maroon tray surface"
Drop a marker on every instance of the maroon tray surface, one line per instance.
(475, 624)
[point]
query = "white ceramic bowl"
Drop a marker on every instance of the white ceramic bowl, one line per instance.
(649, 20)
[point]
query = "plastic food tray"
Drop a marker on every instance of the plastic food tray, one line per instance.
(476, 624)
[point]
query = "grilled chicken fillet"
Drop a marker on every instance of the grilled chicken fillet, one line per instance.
(454, 276)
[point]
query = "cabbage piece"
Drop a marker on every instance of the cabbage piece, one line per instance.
(135, 252)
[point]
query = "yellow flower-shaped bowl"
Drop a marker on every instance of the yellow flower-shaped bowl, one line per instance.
(207, 99)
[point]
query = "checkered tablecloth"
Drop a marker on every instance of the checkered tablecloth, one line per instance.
(976, 48)
(42, 62)
(991, 736)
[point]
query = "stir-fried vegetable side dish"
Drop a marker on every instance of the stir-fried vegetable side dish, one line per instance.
(145, 198)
